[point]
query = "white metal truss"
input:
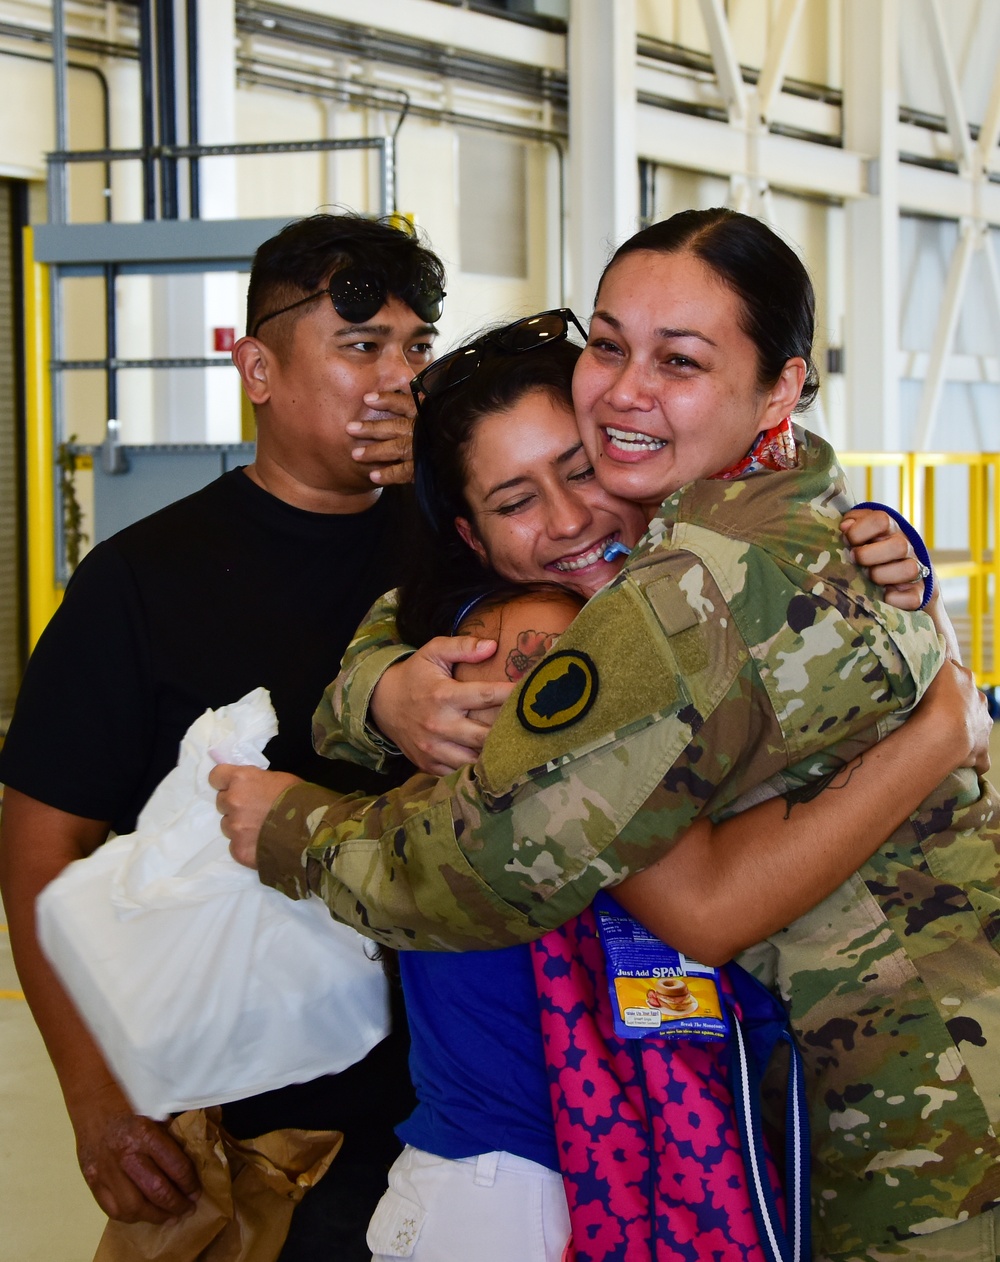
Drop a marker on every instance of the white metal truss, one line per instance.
(745, 148)
(728, 74)
(764, 143)
(718, 118)
(772, 74)
(750, 109)
(975, 162)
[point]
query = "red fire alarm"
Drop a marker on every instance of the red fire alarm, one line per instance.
(224, 339)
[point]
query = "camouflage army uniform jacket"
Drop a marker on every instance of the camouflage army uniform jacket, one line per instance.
(739, 646)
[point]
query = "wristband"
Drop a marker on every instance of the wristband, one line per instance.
(917, 543)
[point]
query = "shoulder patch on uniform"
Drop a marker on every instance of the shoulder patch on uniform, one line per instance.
(558, 692)
(672, 606)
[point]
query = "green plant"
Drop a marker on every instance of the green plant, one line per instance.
(73, 537)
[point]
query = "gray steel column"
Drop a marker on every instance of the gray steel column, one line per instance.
(58, 201)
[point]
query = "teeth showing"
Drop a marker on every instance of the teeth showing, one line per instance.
(581, 562)
(628, 440)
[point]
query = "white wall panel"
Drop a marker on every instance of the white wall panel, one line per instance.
(696, 157)
(25, 134)
(972, 34)
(456, 27)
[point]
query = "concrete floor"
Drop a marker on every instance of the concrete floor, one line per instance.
(46, 1211)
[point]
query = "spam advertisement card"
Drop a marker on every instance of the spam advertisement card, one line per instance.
(655, 989)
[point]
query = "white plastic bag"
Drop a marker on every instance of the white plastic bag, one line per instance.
(200, 984)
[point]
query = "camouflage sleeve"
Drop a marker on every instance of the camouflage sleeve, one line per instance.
(340, 723)
(448, 865)
(664, 700)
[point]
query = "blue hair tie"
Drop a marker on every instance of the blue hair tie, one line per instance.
(466, 609)
(616, 549)
(913, 535)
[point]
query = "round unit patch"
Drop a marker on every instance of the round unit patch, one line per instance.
(558, 692)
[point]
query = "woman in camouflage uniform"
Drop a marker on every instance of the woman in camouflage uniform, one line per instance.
(740, 648)
(505, 486)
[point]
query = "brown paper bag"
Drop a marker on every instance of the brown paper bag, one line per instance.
(249, 1190)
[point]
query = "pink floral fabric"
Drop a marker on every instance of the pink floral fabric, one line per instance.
(650, 1155)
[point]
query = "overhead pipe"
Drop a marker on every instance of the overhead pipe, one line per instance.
(106, 116)
(148, 114)
(647, 191)
(112, 462)
(58, 198)
(193, 105)
(281, 23)
(166, 98)
(105, 111)
(325, 86)
(333, 86)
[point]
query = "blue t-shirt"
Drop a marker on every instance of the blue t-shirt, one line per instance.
(476, 1055)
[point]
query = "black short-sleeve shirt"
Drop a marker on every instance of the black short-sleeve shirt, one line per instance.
(190, 609)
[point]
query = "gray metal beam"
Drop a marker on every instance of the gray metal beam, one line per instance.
(153, 246)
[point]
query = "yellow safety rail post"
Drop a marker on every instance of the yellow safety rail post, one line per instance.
(979, 541)
(994, 545)
(928, 523)
(986, 564)
(979, 606)
(867, 462)
(974, 567)
(995, 564)
(43, 593)
(976, 602)
(979, 562)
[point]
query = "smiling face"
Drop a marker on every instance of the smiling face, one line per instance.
(538, 513)
(666, 390)
(308, 382)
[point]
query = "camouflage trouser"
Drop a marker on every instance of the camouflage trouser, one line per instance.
(975, 1240)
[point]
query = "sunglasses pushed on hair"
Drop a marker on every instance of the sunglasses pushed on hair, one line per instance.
(357, 294)
(528, 334)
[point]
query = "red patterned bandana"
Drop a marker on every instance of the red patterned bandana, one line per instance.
(772, 449)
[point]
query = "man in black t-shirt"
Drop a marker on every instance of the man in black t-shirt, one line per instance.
(259, 579)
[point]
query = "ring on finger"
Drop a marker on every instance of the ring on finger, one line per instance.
(923, 572)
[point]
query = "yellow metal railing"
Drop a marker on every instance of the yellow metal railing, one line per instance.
(977, 559)
(40, 469)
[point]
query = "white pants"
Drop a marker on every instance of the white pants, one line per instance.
(493, 1208)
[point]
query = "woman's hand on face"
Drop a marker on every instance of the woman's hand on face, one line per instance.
(424, 711)
(884, 551)
(954, 710)
(244, 799)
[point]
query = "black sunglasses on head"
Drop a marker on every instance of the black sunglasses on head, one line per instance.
(357, 294)
(513, 339)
